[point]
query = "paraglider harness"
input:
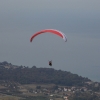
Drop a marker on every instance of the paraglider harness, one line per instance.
(50, 63)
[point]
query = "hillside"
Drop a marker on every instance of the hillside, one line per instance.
(26, 75)
(24, 83)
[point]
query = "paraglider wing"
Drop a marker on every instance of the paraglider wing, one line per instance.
(56, 32)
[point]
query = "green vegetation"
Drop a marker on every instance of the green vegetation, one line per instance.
(26, 75)
(24, 83)
(84, 96)
(8, 97)
(36, 98)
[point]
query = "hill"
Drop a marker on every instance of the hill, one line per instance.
(24, 83)
(26, 75)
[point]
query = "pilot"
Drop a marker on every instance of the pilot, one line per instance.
(50, 63)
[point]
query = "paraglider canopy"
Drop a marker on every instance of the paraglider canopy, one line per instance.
(53, 31)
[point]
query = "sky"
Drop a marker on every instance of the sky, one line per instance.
(78, 19)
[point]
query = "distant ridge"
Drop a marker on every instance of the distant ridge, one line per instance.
(26, 75)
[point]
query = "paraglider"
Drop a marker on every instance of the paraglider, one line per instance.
(50, 63)
(53, 31)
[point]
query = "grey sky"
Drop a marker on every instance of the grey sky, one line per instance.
(78, 19)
